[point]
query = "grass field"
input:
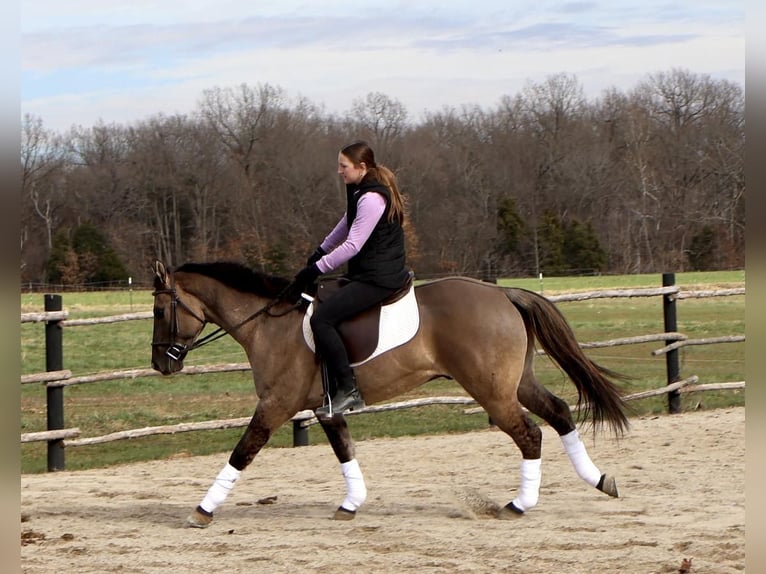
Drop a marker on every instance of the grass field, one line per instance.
(100, 408)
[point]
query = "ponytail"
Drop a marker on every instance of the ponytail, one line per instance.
(387, 178)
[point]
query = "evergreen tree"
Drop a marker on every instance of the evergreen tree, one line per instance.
(582, 250)
(568, 247)
(510, 226)
(85, 258)
(59, 257)
(98, 261)
(550, 245)
(701, 252)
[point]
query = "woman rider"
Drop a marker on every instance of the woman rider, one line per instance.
(370, 238)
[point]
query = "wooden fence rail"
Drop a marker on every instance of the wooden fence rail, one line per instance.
(707, 341)
(55, 378)
(49, 435)
(305, 419)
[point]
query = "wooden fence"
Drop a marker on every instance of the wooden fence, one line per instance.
(55, 378)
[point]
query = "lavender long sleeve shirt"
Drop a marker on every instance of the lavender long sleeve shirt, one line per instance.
(342, 243)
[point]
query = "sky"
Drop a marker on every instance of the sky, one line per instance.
(123, 61)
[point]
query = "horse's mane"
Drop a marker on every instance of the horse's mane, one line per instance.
(239, 277)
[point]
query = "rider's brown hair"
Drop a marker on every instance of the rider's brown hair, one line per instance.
(361, 153)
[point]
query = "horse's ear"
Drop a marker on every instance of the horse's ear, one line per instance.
(160, 272)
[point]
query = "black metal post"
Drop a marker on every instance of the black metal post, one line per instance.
(671, 357)
(300, 434)
(54, 361)
(488, 274)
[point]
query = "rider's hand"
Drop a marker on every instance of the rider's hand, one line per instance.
(306, 277)
(316, 256)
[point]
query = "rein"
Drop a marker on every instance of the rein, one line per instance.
(177, 351)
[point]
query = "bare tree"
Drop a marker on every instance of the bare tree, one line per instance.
(101, 184)
(197, 187)
(241, 118)
(154, 179)
(655, 173)
(42, 190)
(687, 131)
(452, 201)
(552, 114)
(381, 119)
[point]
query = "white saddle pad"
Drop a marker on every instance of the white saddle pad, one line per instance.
(399, 322)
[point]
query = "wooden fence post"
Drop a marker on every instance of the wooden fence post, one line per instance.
(54, 361)
(671, 357)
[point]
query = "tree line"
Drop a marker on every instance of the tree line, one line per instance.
(546, 181)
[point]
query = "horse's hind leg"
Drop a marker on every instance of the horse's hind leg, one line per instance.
(528, 437)
(556, 413)
(338, 434)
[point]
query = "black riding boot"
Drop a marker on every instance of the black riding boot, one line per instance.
(346, 398)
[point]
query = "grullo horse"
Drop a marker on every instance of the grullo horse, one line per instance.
(479, 334)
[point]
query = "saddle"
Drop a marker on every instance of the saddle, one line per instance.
(360, 333)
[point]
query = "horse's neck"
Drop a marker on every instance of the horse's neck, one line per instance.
(226, 307)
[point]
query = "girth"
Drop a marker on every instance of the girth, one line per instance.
(360, 333)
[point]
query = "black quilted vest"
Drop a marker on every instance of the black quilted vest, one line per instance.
(381, 260)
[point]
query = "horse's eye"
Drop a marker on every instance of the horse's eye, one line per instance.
(159, 313)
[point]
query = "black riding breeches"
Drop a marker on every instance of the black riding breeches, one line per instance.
(342, 305)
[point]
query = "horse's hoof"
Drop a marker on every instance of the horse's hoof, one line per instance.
(509, 512)
(199, 519)
(608, 485)
(343, 514)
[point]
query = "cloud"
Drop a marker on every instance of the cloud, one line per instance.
(120, 60)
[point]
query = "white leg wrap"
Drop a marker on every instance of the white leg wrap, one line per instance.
(584, 466)
(220, 488)
(529, 491)
(356, 490)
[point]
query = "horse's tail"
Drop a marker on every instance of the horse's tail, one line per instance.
(598, 397)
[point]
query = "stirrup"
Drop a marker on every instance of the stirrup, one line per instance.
(342, 403)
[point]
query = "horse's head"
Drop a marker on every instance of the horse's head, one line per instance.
(177, 322)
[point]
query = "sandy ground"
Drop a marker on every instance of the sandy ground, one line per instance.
(682, 495)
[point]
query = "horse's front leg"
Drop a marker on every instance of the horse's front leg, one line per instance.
(339, 436)
(253, 439)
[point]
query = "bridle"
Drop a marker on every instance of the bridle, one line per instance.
(177, 351)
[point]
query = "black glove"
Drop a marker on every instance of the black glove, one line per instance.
(316, 256)
(306, 277)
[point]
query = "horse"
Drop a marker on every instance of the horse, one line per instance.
(477, 333)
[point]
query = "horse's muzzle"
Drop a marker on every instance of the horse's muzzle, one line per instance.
(168, 363)
(168, 368)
